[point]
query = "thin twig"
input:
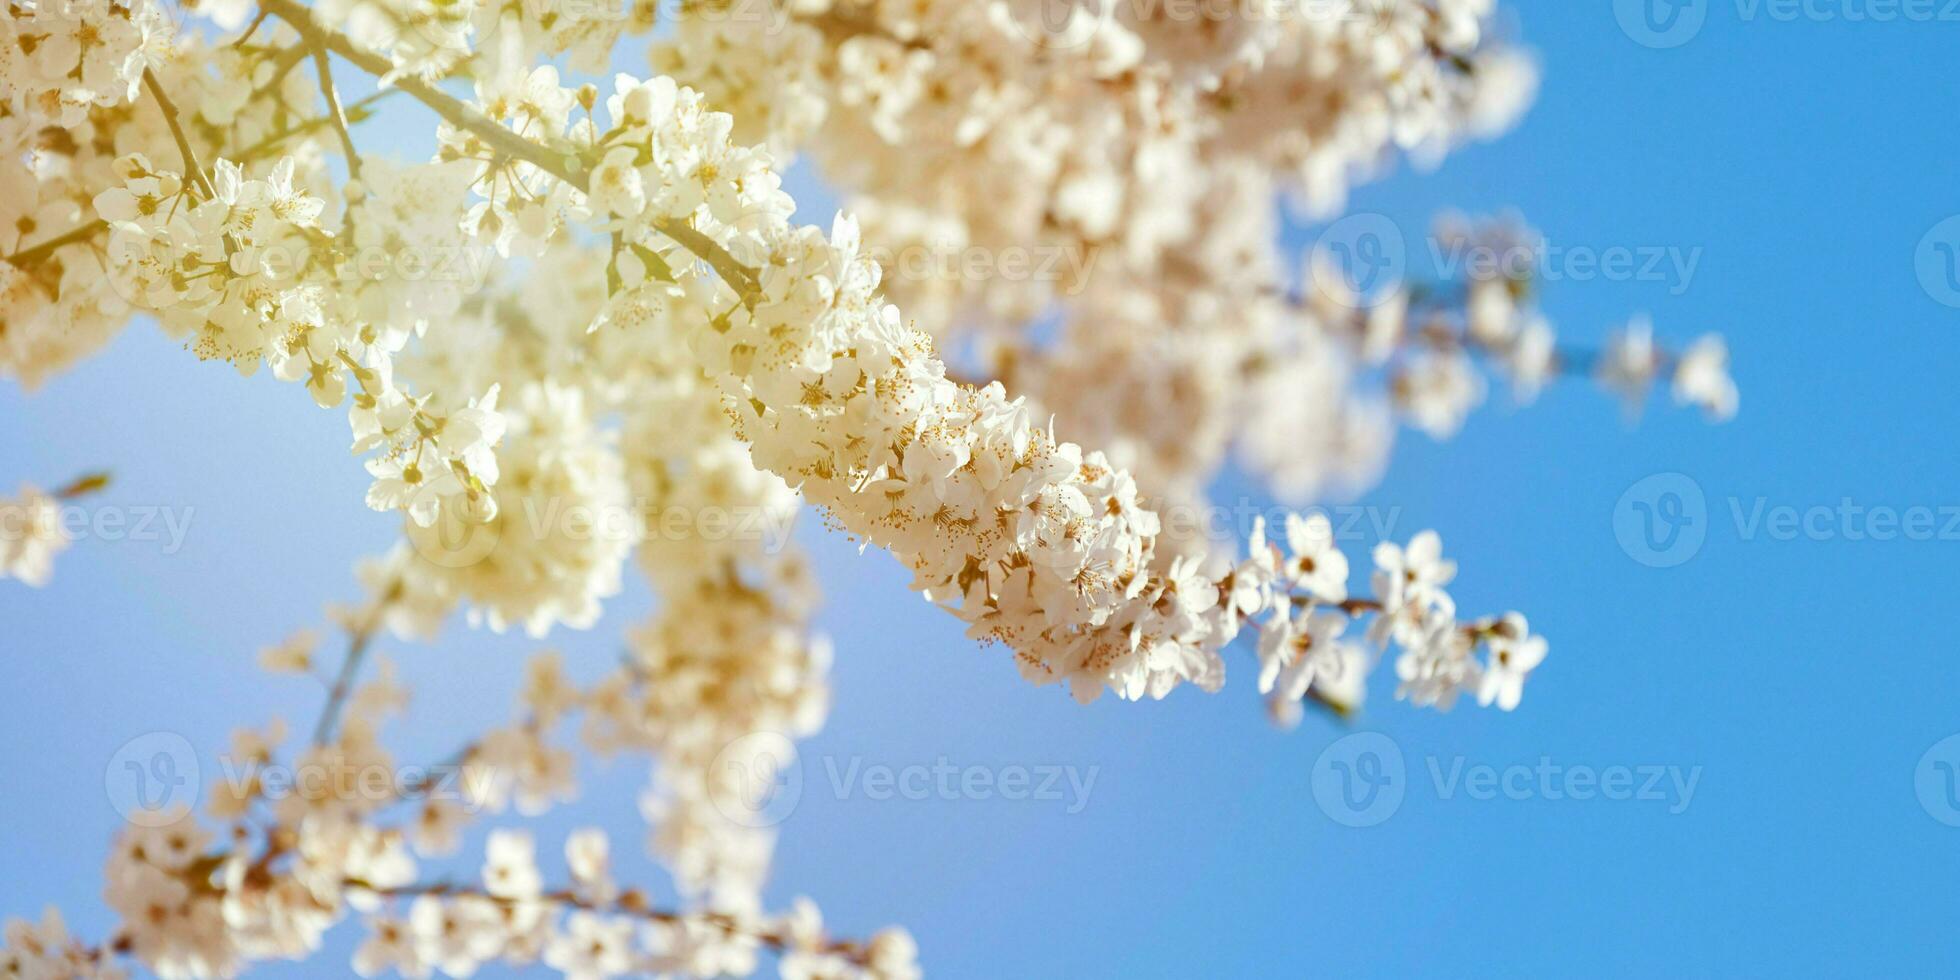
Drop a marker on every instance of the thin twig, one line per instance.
(739, 277)
(612, 266)
(451, 109)
(334, 112)
(177, 132)
(343, 682)
(358, 643)
(354, 115)
(250, 29)
(1567, 360)
(41, 250)
(565, 166)
(630, 903)
(281, 66)
(83, 485)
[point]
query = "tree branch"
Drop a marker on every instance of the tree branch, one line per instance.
(177, 133)
(84, 485)
(41, 250)
(334, 112)
(358, 643)
(565, 166)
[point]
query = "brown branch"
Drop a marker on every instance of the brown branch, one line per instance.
(177, 132)
(358, 643)
(631, 902)
(452, 110)
(282, 66)
(355, 114)
(83, 485)
(334, 112)
(1567, 360)
(41, 250)
(739, 277)
(250, 29)
(564, 165)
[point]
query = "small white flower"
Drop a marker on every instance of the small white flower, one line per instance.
(1629, 362)
(1532, 358)
(1435, 666)
(510, 867)
(893, 955)
(1702, 378)
(1437, 390)
(1292, 649)
(1315, 564)
(1382, 331)
(390, 946)
(547, 692)
(455, 935)
(592, 947)
(1251, 586)
(438, 826)
(587, 852)
(294, 655)
(1513, 656)
(1413, 575)
(615, 186)
(1492, 315)
(31, 534)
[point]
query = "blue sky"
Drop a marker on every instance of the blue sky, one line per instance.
(1802, 679)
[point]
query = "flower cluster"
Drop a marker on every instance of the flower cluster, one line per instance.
(45, 951)
(290, 859)
(1033, 541)
(589, 330)
(65, 57)
(557, 528)
(63, 136)
(1297, 597)
(1135, 151)
(214, 261)
(1427, 337)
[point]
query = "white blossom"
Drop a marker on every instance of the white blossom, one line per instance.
(591, 326)
(31, 534)
(1702, 378)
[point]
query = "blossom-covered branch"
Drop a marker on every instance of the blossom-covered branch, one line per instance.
(308, 844)
(589, 332)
